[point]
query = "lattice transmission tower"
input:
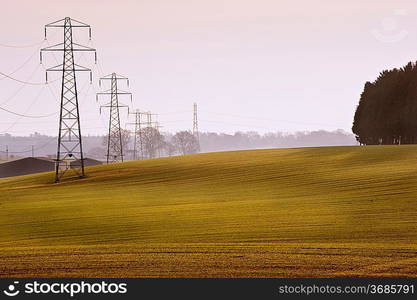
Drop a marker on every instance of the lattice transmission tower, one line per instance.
(152, 132)
(195, 126)
(70, 151)
(144, 134)
(138, 141)
(114, 139)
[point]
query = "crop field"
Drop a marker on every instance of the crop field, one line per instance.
(306, 212)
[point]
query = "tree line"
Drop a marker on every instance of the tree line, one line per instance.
(387, 110)
(163, 143)
(160, 144)
(152, 143)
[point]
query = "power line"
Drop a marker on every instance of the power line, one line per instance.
(22, 81)
(98, 65)
(29, 107)
(21, 46)
(176, 112)
(26, 116)
(25, 62)
(9, 76)
(20, 88)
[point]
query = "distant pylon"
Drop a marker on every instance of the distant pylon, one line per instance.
(138, 141)
(143, 122)
(160, 145)
(195, 126)
(70, 151)
(114, 138)
(156, 125)
(147, 115)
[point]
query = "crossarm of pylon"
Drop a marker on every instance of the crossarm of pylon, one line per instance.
(52, 48)
(118, 93)
(61, 23)
(108, 105)
(83, 48)
(60, 68)
(142, 123)
(118, 77)
(59, 47)
(79, 23)
(56, 23)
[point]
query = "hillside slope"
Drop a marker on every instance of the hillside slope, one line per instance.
(331, 211)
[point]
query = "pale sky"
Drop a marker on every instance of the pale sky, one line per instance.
(265, 65)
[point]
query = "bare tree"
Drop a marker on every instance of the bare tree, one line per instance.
(152, 141)
(170, 148)
(185, 142)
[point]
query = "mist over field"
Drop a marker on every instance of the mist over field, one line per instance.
(45, 146)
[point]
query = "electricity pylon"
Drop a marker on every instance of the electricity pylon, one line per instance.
(195, 126)
(143, 120)
(70, 151)
(152, 133)
(149, 121)
(157, 126)
(114, 138)
(138, 142)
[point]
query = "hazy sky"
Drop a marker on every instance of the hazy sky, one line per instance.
(265, 65)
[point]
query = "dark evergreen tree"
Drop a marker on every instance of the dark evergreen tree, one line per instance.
(387, 110)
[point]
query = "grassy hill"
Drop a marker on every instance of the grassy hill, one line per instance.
(331, 211)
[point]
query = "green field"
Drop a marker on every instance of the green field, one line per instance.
(321, 212)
